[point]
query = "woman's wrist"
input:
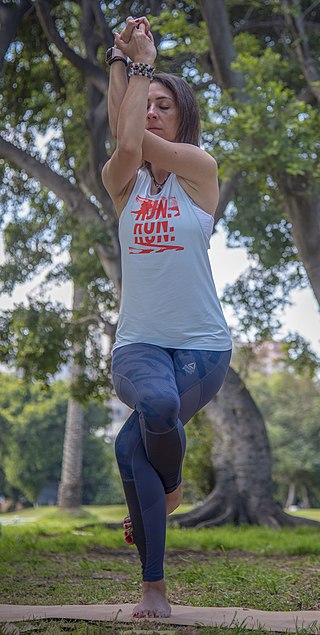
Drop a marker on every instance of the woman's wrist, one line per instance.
(142, 69)
(144, 59)
(118, 53)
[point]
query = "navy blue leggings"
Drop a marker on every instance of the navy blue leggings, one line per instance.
(165, 387)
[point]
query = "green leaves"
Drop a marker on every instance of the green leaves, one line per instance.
(182, 30)
(33, 423)
(258, 298)
(35, 339)
(290, 405)
(272, 132)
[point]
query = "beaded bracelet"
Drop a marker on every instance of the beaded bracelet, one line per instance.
(144, 70)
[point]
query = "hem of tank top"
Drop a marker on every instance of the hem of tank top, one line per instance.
(176, 348)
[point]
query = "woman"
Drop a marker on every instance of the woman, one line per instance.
(173, 346)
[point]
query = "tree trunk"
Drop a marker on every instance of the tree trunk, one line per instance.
(70, 487)
(303, 210)
(222, 50)
(242, 463)
(305, 502)
(291, 495)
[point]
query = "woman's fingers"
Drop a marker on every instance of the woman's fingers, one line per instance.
(140, 42)
(131, 24)
(119, 43)
(127, 31)
(142, 27)
(145, 22)
(150, 36)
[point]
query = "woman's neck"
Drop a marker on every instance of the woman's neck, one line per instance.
(158, 177)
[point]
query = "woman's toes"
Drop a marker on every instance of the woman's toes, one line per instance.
(127, 525)
(127, 522)
(128, 536)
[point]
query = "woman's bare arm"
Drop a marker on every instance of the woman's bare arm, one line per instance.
(118, 80)
(122, 167)
(118, 84)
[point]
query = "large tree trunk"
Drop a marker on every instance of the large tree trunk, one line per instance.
(242, 463)
(305, 501)
(303, 210)
(70, 488)
(291, 494)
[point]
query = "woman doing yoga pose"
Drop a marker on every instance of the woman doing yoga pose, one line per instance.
(172, 347)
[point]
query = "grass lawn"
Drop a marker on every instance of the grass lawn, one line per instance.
(50, 557)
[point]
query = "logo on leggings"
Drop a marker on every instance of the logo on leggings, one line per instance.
(153, 230)
(189, 368)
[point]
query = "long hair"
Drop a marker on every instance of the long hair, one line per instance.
(188, 109)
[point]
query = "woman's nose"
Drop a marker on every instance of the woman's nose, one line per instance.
(151, 112)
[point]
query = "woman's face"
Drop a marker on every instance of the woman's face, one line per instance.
(162, 112)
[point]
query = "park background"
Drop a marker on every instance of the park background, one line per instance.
(254, 451)
(59, 253)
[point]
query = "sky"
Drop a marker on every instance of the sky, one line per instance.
(302, 317)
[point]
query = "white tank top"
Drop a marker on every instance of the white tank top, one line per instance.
(168, 293)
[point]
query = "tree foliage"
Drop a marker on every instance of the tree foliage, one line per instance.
(290, 406)
(33, 421)
(198, 471)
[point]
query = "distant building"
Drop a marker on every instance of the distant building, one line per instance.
(269, 356)
(265, 357)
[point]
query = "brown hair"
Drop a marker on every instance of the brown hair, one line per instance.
(188, 109)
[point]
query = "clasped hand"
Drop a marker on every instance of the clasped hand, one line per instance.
(136, 41)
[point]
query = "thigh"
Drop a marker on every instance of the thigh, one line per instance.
(144, 374)
(199, 376)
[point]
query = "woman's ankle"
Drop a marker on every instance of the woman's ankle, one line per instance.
(157, 585)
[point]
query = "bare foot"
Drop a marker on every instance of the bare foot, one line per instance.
(154, 602)
(173, 501)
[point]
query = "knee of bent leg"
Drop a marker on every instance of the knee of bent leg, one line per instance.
(161, 412)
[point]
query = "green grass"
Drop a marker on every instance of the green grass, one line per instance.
(51, 557)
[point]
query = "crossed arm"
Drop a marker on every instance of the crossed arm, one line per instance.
(118, 80)
(118, 84)
(127, 116)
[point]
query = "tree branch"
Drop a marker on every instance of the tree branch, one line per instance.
(89, 69)
(76, 202)
(227, 189)
(96, 119)
(275, 24)
(106, 33)
(221, 46)
(79, 207)
(10, 17)
(294, 20)
(108, 328)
